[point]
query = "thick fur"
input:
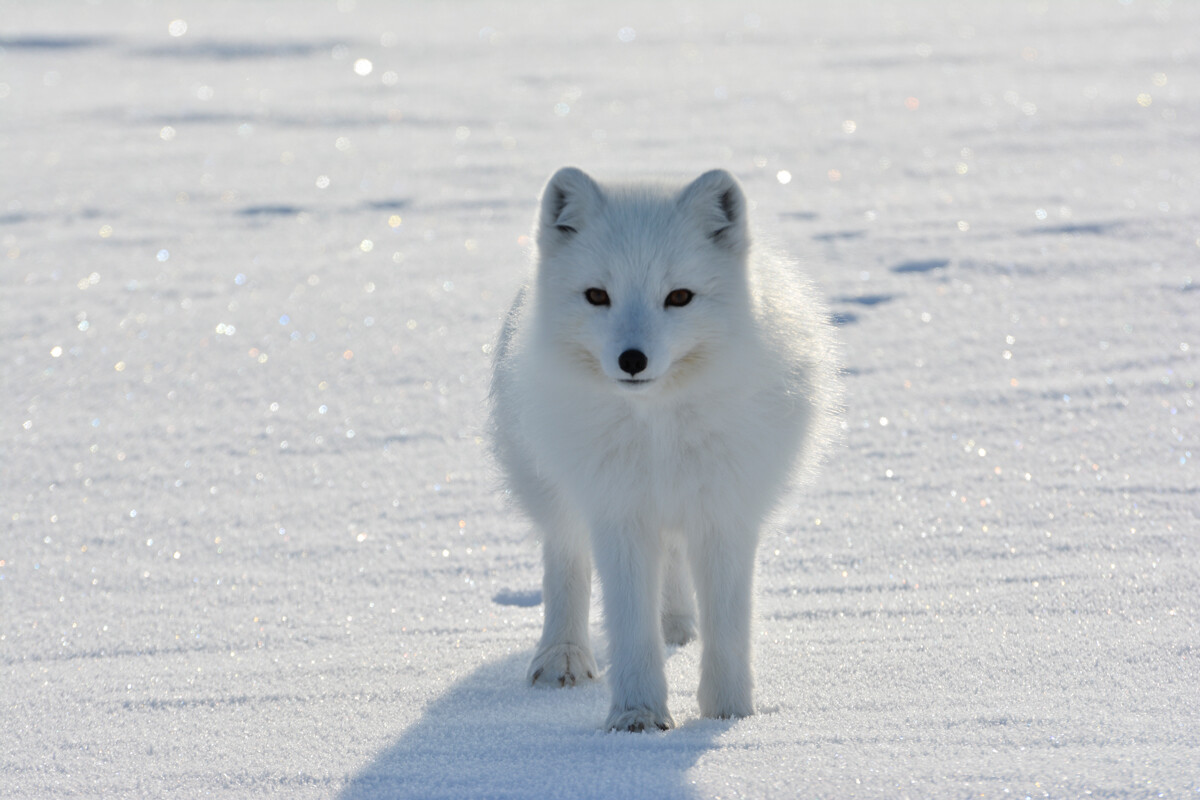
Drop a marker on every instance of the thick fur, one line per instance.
(661, 485)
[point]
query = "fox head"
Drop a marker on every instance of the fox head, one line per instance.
(642, 286)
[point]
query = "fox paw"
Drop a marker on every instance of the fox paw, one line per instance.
(725, 702)
(678, 629)
(637, 720)
(562, 665)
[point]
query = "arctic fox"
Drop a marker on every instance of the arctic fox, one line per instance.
(654, 387)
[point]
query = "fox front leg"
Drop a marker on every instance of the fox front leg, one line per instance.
(628, 561)
(723, 569)
(564, 656)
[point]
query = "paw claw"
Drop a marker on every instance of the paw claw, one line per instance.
(561, 664)
(639, 720)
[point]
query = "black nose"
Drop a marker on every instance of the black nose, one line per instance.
(632, 361)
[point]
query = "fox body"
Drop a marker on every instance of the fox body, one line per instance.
(655, 386)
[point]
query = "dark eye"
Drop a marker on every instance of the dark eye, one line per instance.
(597, 297)
(679, 297)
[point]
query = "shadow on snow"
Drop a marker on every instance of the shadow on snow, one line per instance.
(239, 49)
(51, 43)
(1089, 229)
(927, 265)
(493, 736)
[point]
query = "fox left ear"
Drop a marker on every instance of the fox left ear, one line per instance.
(716, 202)
(569, 199)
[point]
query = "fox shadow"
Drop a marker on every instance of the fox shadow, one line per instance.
(493, 736)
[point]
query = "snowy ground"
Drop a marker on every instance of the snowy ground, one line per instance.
(251, 543)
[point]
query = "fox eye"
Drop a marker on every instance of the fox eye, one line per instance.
(679, 297)
(597, 297)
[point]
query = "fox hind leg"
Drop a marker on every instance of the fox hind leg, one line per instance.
(679, 603)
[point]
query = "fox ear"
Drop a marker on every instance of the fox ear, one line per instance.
(568, 199)
(716, 202)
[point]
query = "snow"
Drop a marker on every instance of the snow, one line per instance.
(252, 258)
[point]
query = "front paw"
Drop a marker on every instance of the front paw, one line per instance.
(562, 665)
(726, 700)
(636, 720)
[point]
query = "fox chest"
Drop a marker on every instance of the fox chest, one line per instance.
(667, 462)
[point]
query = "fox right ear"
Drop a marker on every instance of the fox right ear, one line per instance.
(569, 197)
(716, 202)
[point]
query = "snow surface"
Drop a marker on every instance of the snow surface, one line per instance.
(251, 543)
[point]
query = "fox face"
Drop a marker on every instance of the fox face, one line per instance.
(638, 286)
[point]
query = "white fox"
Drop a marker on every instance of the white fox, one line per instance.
(654, 388)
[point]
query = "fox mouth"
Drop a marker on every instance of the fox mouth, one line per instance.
(636, 381)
